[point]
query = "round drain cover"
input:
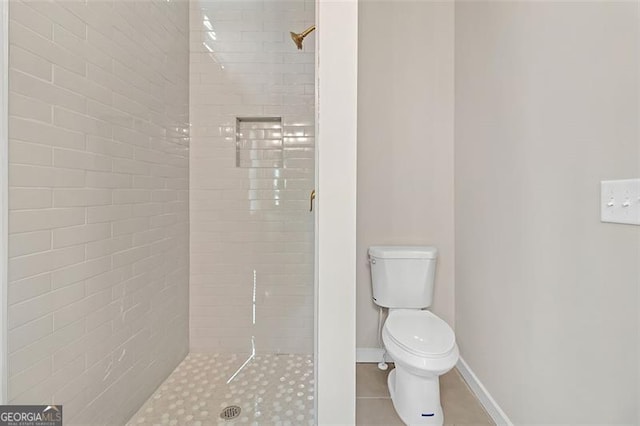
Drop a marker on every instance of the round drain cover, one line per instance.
(230, 412)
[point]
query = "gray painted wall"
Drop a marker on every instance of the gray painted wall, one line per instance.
(546, 295)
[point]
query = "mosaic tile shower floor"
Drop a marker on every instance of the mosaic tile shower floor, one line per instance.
(270, 390)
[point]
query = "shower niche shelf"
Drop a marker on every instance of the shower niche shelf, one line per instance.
(259, 142)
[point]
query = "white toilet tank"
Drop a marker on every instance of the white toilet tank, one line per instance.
(403, 276)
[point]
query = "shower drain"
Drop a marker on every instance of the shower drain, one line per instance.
(230, 412)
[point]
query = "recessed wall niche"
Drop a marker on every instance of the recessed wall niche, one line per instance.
(259, 142)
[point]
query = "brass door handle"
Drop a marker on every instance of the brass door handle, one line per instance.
(311, 198)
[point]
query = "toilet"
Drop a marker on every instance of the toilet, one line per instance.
(422, 345)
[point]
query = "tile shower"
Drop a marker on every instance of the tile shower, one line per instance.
(146, 223)
(251, 282)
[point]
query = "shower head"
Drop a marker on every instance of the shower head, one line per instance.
(297, 38)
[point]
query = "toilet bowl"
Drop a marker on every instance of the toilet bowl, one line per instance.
(423, 347)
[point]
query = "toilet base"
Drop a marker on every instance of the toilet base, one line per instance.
(416, 399)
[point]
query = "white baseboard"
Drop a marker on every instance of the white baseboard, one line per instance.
(371, 355)
(487, 401)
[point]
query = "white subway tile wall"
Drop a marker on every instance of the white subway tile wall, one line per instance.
(99, 169)
(251, 229)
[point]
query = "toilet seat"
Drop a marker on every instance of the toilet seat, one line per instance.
(420, 333)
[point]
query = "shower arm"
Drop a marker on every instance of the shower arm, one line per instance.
(297, 38)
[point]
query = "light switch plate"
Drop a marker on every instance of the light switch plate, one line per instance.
(620, 201)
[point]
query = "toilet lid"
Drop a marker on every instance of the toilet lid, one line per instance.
(420, 332)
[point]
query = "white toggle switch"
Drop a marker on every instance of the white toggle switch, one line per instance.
(616, 204)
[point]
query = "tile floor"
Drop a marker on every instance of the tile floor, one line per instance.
(277, 390)
(269, 389)
(374, 406)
